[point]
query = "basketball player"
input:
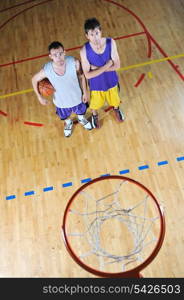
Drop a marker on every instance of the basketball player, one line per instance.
(100, 60)
(66, 76)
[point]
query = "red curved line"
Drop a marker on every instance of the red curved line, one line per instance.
(149, 38)
(148, 35)
(149, 45)
(143, 26)
(3, 113)
(140, 79)
(22, 12)
(140, 22)
(2, 10)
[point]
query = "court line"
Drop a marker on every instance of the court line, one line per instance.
(16, 93)
(12, 17)
(140, 80)
(169, 61)
(150, 75)
(130, 35)
(49, 188)
(161, 163)
(86, 180)
(151, 62)
(105, 175)
(119, 70)
(150, 39)
(139, 21)
(16, 5)
(34, 124)
(29, 193)
(67, 50)
(3, 113)
(143, 167)
(180, 158)
(124, 171)
(10, 197)
(68, 184)
(134, 66)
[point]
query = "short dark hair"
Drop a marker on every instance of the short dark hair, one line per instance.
(55, 45)
(91, 24)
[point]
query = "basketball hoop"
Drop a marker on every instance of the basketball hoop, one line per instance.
(113, 226)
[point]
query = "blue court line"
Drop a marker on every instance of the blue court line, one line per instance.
(49, 188)
(161, 163)
(10, 197)
(180, 158)
(67, 184)
(29, 193)
(124, 171)
(105, 175)
(86, 180)
(143, 167)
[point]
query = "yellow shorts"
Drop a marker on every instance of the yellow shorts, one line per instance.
(98, 98)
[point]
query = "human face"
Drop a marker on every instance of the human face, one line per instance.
(57, 55)
(94, 36)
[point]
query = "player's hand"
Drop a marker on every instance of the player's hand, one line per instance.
(92, 67)
(43, 101)
(85, 98)
(109, 63)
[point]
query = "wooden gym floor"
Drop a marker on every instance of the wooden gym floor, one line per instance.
(36, 161)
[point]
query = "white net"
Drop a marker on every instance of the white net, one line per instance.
(113, 225)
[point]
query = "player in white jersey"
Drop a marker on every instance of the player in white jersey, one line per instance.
(66, 76)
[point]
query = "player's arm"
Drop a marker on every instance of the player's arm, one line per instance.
(35, 79)
(114, 57)
(82, 81)
(87, 68)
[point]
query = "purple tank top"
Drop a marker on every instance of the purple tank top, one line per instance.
(106, 80)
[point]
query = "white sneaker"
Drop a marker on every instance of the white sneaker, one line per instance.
(85, 123)
(68, 129)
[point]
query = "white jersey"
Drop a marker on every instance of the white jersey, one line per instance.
(67, 89)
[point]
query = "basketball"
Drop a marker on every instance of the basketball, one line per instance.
(45, 87)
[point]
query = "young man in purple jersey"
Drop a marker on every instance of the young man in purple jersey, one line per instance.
(66, 76)
(100, 60)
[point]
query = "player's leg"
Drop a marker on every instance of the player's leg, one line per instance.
(80, 111)
(64, 115)
(97, 100)
(95, 119)
(113, 99)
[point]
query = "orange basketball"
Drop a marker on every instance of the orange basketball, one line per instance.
(45, 87)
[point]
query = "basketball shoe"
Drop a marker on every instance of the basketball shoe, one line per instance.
(68, 128)
(85, 123)
(95, 121)
(119, 115)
